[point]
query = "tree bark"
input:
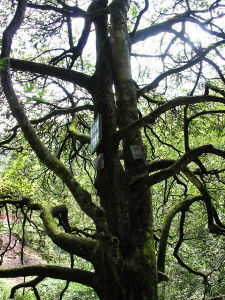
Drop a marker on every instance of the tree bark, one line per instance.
(125, 263)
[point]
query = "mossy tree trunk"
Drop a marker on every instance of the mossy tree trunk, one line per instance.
(122, 249)
(127, 268)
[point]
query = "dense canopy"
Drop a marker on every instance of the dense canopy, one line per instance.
(136, 203)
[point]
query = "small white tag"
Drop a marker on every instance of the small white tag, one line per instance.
(138, 151)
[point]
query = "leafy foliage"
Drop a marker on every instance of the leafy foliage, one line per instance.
(154, 71)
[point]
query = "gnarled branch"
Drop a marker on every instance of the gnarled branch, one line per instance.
(213, 225)
(12, 28)
(83, 247)
(83, 138)
(198, 58)
(52, 271)
(82, 197)
(155, 114)
(68, 75)
(181, 163)
(182, 206)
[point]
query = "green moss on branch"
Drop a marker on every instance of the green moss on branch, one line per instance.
(56, 272)
(83, 138)
(82, 247)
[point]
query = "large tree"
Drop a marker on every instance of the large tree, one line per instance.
(157, 80)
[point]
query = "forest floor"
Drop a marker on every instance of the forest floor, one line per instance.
(16, 255)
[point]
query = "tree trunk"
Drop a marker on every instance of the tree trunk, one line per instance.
(125, 262)
(131, 280)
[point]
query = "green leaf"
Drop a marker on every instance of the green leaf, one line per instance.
(40, 99)
(30, 88)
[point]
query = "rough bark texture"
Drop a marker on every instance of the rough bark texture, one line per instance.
(131, 268)
(122, 250)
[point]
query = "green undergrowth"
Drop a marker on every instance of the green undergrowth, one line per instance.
(49, 289)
